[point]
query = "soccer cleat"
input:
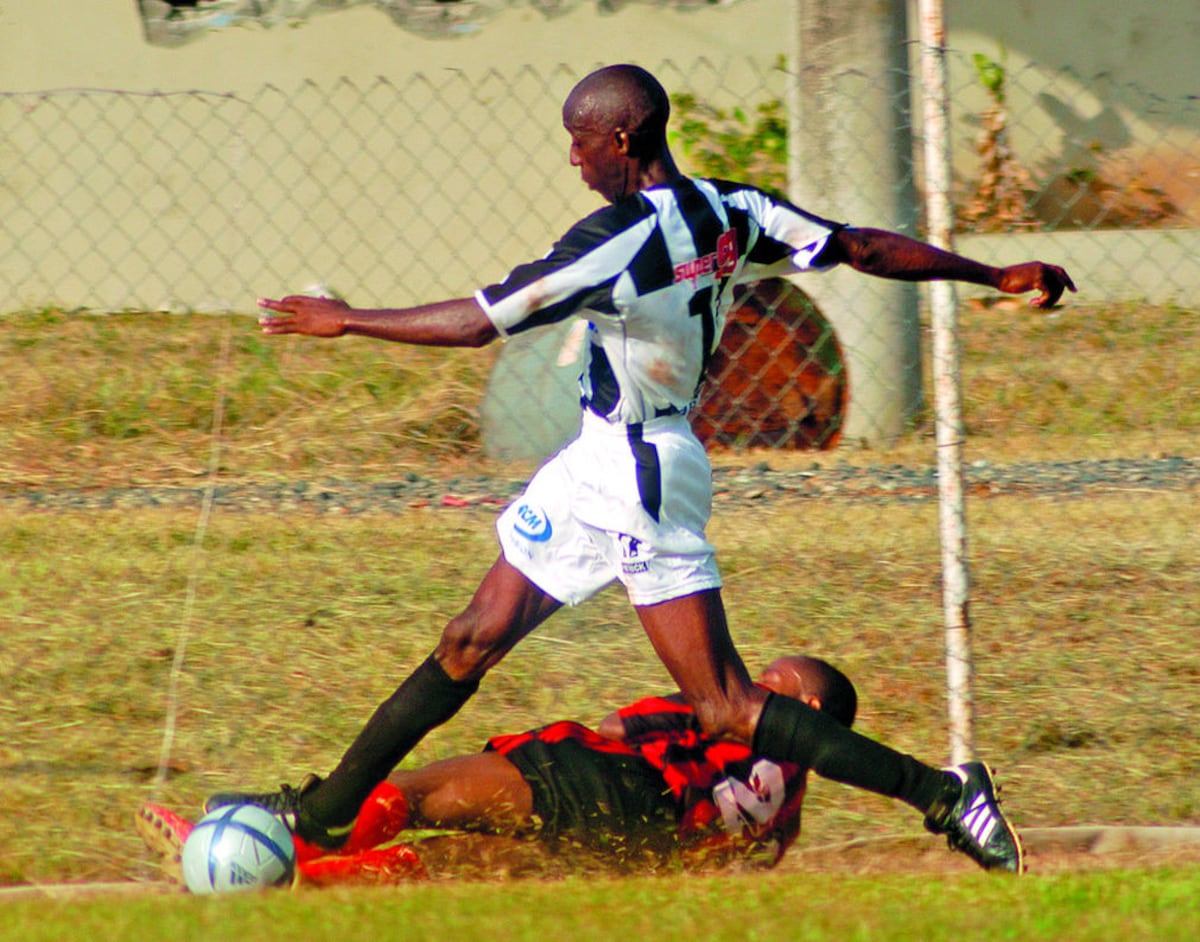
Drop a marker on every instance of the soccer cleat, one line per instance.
(382, 866)
(287, 804)
(975, 825)
(164, 832)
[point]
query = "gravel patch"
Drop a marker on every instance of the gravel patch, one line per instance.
(758, 483)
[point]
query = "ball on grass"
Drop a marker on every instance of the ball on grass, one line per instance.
(239, 847)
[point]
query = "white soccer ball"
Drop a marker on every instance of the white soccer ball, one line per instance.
(239, 847)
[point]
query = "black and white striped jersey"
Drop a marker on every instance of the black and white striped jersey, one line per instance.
(654, 275)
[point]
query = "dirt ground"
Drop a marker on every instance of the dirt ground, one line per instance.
(1047, 850)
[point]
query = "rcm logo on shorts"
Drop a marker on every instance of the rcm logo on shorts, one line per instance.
(533, 524)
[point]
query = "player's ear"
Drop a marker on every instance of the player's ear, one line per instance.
(623, 141)
(813, 701)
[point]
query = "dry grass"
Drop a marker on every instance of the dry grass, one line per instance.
(1084, 642)
(1074, 376)
(1085, 609)
(95, 399)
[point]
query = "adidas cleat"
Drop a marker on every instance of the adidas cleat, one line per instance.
(975, 824)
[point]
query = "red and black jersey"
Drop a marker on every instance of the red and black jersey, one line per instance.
(722, 787)
(556, 732)
(725, 797)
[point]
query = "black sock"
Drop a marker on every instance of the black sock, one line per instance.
(795, 732)
(428, 698)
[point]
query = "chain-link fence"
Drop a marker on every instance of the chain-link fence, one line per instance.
(196, 201)
(1082, 471)
(404, 190)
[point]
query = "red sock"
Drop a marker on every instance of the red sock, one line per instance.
(382, 816)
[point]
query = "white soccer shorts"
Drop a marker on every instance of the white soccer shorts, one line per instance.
(627, 503)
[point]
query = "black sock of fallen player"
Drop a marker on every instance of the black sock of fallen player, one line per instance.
(428, 698)
(795, 732)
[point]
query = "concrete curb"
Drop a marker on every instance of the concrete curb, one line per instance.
(1105, 839)
(1076, 839)
(68, 891)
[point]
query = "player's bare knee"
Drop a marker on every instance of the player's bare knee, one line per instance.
(459, 652)
(726, 719)
(468, 649)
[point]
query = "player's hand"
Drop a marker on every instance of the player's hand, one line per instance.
(1050, 280)
(300, 314)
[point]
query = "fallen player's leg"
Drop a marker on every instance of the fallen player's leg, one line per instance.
(382, 817)
(165, 833)
(361, 860)
(397, 863)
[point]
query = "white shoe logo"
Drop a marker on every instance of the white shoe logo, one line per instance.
(980, 820)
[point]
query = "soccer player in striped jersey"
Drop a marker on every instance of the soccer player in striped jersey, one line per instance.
(653, 272)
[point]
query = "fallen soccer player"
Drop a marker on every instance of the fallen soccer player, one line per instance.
(647, 780)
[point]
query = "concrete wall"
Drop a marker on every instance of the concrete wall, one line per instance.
(100, 43)
(1151, 43)
(1097, 51)
(1107, 46)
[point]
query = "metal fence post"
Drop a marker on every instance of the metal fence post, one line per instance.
(947, 384)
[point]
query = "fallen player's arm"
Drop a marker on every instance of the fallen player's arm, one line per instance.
(650, 715)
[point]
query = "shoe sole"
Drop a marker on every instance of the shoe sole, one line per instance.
(164, 832)
(995, 789)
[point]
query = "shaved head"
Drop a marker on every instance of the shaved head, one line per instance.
(620, 97)
(617, 119)
(810, 677)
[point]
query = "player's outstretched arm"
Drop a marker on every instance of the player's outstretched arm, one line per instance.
(457, 323)
(651, 714)
(892, 255)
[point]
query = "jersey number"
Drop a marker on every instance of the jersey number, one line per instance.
(750, 806)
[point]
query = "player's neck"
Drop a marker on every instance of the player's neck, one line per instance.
(658, 172)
